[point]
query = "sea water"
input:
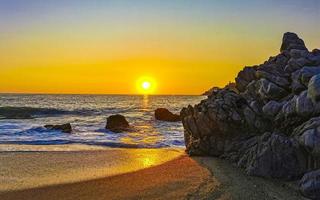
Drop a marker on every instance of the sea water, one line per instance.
(87, 115)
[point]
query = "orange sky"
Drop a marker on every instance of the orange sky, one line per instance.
(186, 49)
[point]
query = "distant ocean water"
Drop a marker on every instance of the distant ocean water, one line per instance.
(87, 115)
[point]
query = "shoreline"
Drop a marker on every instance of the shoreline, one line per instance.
(130, 174)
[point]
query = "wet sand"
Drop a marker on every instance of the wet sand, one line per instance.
(175, 179)
(31, 166)
(129, 174)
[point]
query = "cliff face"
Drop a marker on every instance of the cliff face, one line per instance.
(269, 125)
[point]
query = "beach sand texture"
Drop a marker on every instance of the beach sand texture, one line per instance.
(129, 174)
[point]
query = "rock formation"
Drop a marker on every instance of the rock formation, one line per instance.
(117, 123)
(164, 114)
(66, 128)
(270, 124)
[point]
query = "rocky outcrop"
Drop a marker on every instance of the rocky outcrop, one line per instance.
(230, 85)
(117, 123)
(270, 124)
(164, 114)
(66, 128)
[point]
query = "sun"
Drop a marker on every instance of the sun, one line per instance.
(146, 85)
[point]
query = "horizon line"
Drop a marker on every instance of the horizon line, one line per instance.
(120, 94)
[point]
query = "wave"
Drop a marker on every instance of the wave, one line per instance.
(9, 112)
(66, 142)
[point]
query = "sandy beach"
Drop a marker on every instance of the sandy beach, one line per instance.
(99, 174)
(128, 174)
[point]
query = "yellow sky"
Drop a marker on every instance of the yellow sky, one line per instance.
(62, 52)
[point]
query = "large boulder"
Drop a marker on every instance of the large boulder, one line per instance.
(117, 123)
(164, 114)
(211, 124)
(66, 128)
(310, 185)
(314, 88)
(308, 136)
(269, 155)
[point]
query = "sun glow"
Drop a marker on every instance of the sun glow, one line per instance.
(146, 85)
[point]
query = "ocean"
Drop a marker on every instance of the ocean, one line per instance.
(87, 115)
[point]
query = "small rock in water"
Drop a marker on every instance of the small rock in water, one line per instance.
(66, 128)
(117, 123)
(164, 114)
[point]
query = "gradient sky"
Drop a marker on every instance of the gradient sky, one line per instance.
(56, 46)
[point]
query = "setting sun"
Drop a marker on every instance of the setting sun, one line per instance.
(146, 85)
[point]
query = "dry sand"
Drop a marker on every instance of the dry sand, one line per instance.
(129, 174)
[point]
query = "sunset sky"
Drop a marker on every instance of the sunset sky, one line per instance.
(105, 47)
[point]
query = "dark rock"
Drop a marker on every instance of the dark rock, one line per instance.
(314, 88)
(117, 123)
(269, 125)
(269, 155)
(244, 77)
(272, 108)
(270, 91)
(306, 73)
(164, 114)
(210, 91)
(292, 41)
(310, 185)
(308, 136)
(66, 128)
(275, 156)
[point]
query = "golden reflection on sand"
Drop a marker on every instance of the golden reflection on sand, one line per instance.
(74, 166)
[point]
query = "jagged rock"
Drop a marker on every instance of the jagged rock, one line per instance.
(296, 85)
(210, 91)
(279, 96)
(66, 128)
(244, 77)
(272, 108)
(314, 88)
(270, 91)
(308, 135)
(224, 116)
(269, 155)
(275, 156)
(306, 73)
(117, 123)
(292, 41)
(281, 81)
(164, 114)
(310, 185)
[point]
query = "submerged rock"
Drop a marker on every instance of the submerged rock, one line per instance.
(164, 114)
(117, 123)
(66, 128)
(270, 125)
